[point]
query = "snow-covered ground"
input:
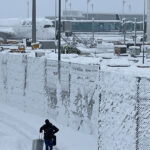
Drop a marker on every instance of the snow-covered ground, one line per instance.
(18, 129)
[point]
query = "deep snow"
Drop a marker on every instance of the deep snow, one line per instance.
(18, 129)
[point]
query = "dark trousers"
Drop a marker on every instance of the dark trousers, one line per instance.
(49, 144)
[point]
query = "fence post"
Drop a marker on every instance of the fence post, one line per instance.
(137, 113)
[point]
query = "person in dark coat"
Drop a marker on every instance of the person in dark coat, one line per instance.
(49, 131)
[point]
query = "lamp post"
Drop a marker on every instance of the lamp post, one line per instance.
(56, 25)
(59, 42)
(123, 5)
(66, 9)
(28, 8)
(88, 1)
(34, 21)
(130, 8)
(92, 5)
(135, 32)
(59, 32)
(70, 4)
(148, 20)
(144, 31)
(124, 30)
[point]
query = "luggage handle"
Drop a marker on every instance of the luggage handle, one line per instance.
(40, 136)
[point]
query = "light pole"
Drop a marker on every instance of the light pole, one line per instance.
(88, 1)
(66, 9)
(34, 21)
(144, 31)
(56, 1)
(123, 5)
(28, 8)
(135, 32)
(148, 20)
(92, 5)
(70, 4)
(55, 25)
(59, 42)
(130, 8)
(59, 32)
(124, 30)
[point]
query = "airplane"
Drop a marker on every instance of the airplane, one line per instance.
(14, 28)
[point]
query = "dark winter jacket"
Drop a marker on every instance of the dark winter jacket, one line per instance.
(49, 130)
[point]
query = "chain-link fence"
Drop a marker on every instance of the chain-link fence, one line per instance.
(124, 113)
(143, 123)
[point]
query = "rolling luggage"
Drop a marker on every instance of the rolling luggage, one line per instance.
(37, 144)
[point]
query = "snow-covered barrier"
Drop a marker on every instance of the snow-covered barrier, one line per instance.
(73, 99)
(117, 112)
(111, 105)
(124, 115)
(31, 84)
(21, 82)
(143, 113)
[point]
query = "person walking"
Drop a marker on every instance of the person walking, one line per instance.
(49, 134)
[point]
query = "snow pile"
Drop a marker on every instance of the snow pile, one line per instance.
(18, 129)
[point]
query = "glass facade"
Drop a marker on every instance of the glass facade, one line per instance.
(103, 26)
(99, 26)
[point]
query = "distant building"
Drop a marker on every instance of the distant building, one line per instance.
(79, 15)
(73, 13)
(103, 22)
(101, 16)
(112, 16)
(98, 26)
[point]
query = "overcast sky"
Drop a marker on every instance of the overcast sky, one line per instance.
(18, 8)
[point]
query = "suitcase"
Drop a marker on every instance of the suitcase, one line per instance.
(37, 144)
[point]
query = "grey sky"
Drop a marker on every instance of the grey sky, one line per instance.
(18, 8)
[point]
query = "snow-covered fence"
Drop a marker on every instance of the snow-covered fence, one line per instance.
(143, 120)
(31, 84)
(124, 116)
(117, 111)
(114, 105)
(75, 96)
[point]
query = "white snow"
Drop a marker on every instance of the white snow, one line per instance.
(18, 129)
(6, 30)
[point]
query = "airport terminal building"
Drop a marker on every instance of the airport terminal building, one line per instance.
(100, 16)
(105, 22)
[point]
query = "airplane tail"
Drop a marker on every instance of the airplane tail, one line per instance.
(117, 17)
